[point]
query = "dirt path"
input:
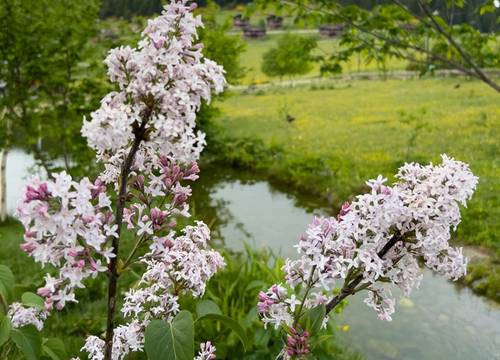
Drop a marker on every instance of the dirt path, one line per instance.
(363, 75)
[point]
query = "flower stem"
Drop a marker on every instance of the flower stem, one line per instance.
(350, 288)
(112, 267)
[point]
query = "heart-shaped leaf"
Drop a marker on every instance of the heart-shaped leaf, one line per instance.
(54, 349)
(313, 319)
(32, 300)
(28, 341)
(6, 281)
(171, 340)
(205, 307)
(4, 329)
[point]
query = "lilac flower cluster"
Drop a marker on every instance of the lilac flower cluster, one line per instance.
(375, 242)
(67, 224)
(161, 84)
(144, 135)
(21, 316)
(207, 351)
(297, 344)
(175, 266)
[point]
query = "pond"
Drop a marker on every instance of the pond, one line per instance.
(441, 321)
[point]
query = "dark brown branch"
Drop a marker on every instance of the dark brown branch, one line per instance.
(480, 73)
(350, 289)
(112, 267)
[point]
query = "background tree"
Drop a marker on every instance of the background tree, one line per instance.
(292, 56)
(424, 32)
(44, 77)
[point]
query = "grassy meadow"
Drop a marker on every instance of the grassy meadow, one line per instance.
(345, 133)
(255, 48)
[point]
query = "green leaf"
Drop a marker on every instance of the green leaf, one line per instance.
(205, 307)
(4, 329)
(230, 323)
(171, 340)
(54, 349)
(313, 318)
(255, 284)
(32, 300)
(28, 341)
(488, 8)
(6, 281)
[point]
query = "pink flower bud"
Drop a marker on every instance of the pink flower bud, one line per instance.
(28, 247)
(43, 292)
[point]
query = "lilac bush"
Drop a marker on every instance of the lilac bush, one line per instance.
(145, 139)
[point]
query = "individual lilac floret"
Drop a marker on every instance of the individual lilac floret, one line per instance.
(207, 351)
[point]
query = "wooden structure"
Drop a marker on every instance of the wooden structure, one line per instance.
(239, 21)
(331, 30)
(254, 32)
(274, 22)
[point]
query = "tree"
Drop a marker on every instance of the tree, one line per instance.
(292, 56)
(45, 82)
(410, 30)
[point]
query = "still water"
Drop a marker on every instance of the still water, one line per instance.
(441, 321)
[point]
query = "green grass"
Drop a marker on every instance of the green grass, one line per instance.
(251, 59)
(345, 135)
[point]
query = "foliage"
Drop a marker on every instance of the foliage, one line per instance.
(292, 56)
(127, 9)
(45, 90)
(484, 277)
(219, 46)
(404, 30)
(26, 340)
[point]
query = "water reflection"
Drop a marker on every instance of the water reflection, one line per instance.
(19, 168)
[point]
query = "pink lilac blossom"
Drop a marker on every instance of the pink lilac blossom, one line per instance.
(175, 266)
(21, 316)
(297, 344)
(67, 224)
(161, 84)
(375, 242)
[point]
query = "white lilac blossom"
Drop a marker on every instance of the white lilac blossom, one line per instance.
(21, 316)
(374, 243)
(144, 136)
(162, 84)
(67, 224)
(207, 351)
(175, 266)
(94, 348)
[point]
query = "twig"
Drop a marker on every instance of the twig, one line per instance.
(350, 289)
